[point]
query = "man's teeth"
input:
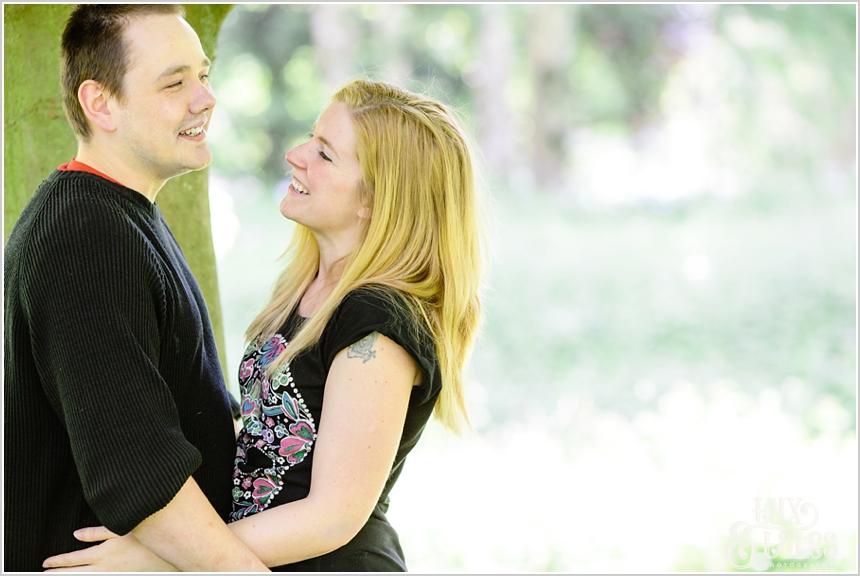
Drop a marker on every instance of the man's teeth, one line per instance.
(193, 131)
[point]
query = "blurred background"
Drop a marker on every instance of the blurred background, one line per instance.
(666, 374)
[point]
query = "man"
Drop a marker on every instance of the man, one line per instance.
(116, 412)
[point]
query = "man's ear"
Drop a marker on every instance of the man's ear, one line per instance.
(94, 100)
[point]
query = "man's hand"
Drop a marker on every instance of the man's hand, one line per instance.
(114, 554)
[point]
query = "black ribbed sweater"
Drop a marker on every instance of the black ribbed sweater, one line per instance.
(113, 391)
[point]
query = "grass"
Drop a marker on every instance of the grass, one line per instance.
(710, 294)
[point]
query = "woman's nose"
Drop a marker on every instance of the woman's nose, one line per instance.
(294, 157)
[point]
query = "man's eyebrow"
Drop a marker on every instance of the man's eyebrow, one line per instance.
(182, 68)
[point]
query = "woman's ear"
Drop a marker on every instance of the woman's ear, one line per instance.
(365, 196)
(94, 100)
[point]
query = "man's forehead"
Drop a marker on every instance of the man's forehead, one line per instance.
(156, 43)
(179, 68)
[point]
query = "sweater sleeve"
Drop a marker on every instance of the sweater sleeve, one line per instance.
(94, 299)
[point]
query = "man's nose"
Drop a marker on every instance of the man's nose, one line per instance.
(204, 99)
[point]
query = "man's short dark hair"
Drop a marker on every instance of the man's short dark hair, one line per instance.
(93, 49)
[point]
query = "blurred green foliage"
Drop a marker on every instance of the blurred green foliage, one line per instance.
(754, 288)
(671, 290)
(273, 77)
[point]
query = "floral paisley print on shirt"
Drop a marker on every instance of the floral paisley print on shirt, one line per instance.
(278, 430)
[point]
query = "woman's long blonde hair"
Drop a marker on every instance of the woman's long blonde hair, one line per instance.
(422, 239)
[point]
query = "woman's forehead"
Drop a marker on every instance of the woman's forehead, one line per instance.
(335, 126)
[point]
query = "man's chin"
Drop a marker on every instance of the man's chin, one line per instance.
(201, 166)
(196, 164)
(189, 167)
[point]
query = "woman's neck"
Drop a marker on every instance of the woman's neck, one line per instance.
(331, 267)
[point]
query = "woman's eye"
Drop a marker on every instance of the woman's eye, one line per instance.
(322, 154)
(205, 78)
(175, 84)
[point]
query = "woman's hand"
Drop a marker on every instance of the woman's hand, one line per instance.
(114, 554)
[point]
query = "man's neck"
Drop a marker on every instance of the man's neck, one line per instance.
(113, 165)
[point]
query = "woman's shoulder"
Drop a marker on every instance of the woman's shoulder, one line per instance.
(390, 312)
(376, 297)
(375, 308)
(387, 306)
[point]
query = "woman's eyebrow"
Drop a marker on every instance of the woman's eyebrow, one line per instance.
(327, 144)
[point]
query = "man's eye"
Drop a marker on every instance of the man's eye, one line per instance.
(175, 84)
(205, 78)
(324, 156)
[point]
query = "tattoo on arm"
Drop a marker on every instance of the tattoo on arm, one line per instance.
(363, 348)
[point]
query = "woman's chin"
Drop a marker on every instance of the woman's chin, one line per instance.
(287, 209)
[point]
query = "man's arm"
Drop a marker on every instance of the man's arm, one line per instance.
(364, 410)
(93, 296)
(189, 534)
(187, 531)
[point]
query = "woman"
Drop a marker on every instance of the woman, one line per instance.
(366, 334)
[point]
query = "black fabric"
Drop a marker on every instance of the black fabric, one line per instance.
(280, 414)
(375, 549)
(113, 391)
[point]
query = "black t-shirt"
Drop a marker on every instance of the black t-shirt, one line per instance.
(274, 454)
(113, 391)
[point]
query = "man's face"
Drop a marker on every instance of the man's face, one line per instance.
(167, 105)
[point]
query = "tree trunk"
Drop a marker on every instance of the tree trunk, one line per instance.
(38, 138)
(550, 49)
(490, 81)
(335, 41)
(396, 66)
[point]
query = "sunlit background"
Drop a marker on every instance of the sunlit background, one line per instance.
(665, 378)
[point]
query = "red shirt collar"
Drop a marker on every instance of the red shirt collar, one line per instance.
(75, 166)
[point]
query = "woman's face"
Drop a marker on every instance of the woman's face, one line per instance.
(324, 192)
